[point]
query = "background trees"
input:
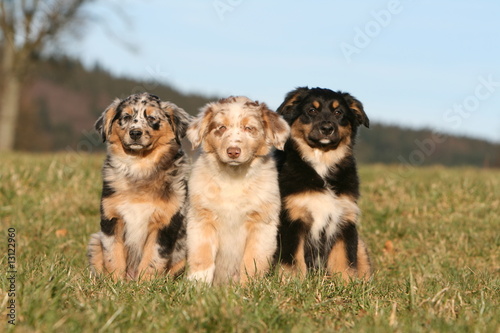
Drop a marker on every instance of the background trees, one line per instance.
(26, 28)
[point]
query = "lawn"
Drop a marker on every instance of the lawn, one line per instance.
(433, 235)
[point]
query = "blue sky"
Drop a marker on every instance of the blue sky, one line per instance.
(432, 64)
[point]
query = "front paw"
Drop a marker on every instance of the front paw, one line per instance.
(206, 275)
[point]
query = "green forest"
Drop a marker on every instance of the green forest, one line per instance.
(62, 99)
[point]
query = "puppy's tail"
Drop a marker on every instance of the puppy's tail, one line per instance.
(95, 254)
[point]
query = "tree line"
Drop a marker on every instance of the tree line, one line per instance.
(63, 99)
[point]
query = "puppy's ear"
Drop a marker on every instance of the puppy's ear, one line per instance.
(287, 108)
(357, 107)
(105, 121)
(199, 126)
(277, 129)
(178, 118)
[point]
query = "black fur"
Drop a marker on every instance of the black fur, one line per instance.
(311, 109)
(108, 225)
(169, 235)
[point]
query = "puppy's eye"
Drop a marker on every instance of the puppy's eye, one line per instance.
(222, 128)
(313, 111)
(126, 117)
(151, 119)
(249, 128)
(338, 112)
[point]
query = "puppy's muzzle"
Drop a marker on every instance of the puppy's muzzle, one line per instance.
(135, 134)
(233, 152)
(326, 128)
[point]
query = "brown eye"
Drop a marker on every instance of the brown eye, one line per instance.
(249, 128)
(222, 128)
(313, 111)
(338, 112)
(126, 117)
(151, 119)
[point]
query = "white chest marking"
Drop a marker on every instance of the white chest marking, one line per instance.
(136, 217)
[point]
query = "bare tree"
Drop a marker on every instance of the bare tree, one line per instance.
(26, 28)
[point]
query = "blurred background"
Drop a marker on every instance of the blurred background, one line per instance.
(428, 73)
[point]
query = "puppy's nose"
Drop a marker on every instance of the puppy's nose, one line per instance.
(135, 134)
(326, 128)
(233, 152)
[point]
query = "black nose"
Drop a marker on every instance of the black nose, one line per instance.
(326, 128)
(135, 134)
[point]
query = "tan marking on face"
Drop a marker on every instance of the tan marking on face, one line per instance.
(165, 133)
(316, 104)
(299, 130)
(335, 104)
(151, 138)
(158, 141)
(320, 160)
(345, 133)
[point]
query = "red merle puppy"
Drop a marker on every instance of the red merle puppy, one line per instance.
(319, 185)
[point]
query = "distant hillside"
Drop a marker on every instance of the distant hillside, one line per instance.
(394, 145)
(63, 100)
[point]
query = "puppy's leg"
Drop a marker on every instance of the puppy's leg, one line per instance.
(349, 255)
(297, 267)
(95, 254)
(364, 267)
(114, 251)
(202, 245)
(259, 249)
(177, 268)
(151, 263)
(338, 261)
(291, 240)
(172, 245)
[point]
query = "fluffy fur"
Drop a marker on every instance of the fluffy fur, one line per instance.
(319, 185)
(234, 197)
(144, 190)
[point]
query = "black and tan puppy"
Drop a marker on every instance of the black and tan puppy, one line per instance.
(319, 185)
(144, 190)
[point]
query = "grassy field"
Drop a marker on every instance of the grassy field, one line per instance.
(433, 234)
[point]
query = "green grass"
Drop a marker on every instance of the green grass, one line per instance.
(442, 275)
